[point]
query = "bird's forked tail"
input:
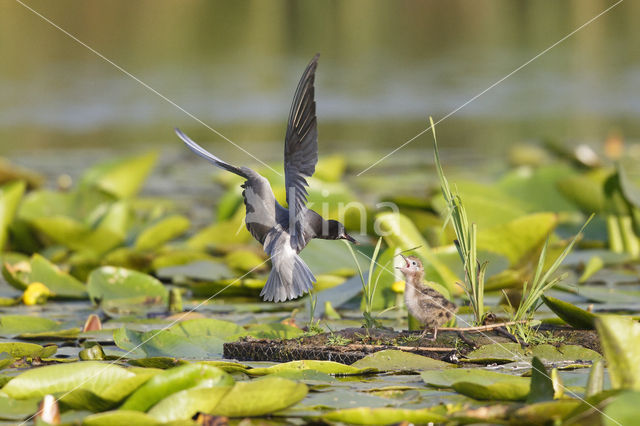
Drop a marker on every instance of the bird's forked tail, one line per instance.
(280, 288)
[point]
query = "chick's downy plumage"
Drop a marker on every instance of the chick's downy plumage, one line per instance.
(424, 303)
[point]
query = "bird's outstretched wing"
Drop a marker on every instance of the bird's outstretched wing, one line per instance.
(209, 156)
(301, 152)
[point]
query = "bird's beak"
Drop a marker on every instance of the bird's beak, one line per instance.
(349, 238)
(405, 261)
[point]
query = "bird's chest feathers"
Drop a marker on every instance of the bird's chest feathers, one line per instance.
(410, 299)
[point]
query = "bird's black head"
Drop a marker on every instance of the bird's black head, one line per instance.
(335, 231)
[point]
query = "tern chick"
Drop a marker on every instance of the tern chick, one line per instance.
(427, 305)
(284, 232)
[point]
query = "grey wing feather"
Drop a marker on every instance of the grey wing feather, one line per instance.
(301, 150)
(197, 149)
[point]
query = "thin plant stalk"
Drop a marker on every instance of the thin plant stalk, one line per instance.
(542, 281)
(367, 288)
(466, 239)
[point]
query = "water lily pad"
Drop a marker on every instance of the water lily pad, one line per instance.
(399, 360)
(120, 418)
(541, 384)
(17, 409)
(29, 350)
(245, 261)
(447, 378)
(620, 340)
(159, 232)
(623, 410)
(60, 283)
(201, 269)
(268, 395)
(10, 196)
(384, 416)
(550, 353)
(183, 405)
(274, 331)
(109, 283)
(537, 188)
(543, 412)
(191, 339)
(109, 397)
(500, 391)
(175, 379)
(122, 177)
(13, 325)
(328, 367)
(90, 375)
(519, 238)
(76, 235)
(571, 314)
(497, 352)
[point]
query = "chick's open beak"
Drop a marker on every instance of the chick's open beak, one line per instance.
(406, 261)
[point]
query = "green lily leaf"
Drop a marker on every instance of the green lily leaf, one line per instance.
(10, 196)
(620, 340)
(208, 269)
(384, 416)
(229, 232)
(161, 231)
(519, 238)
(76, 235)
(245, 261)
(29, 350)
(268, 395)
(109, 283)
(6, 360)
(330, 257)
(327, 367)
(595, 384)
(17, 409)
(543, 412)
(122, 178)
(14, 325)
(586, 191)
(447, 378)
(497, 353)
(120, 418)
(537, 189)
(191, 339)
(541, 385)
(623, 410)
(500, 391)
(59, 282)
(389, 360)
(89, 375)
(183, 405)
(330, 168)
(486, 205)
(175, 379)
(109, 397)
(274, 331)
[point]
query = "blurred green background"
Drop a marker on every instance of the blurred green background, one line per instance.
(385, 67)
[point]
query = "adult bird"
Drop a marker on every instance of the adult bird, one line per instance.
(284, 232)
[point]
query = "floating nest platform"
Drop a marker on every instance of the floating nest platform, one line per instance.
(351, 344)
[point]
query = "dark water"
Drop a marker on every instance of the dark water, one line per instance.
(385, 67)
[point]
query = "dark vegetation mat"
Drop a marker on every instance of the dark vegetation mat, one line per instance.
(351, 344)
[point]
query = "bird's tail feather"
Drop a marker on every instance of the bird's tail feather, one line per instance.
(278, 290)
(197, 149)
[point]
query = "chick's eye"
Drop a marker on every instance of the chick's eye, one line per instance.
(413, 263)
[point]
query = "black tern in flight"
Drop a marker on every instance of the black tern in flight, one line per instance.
(285, 232)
